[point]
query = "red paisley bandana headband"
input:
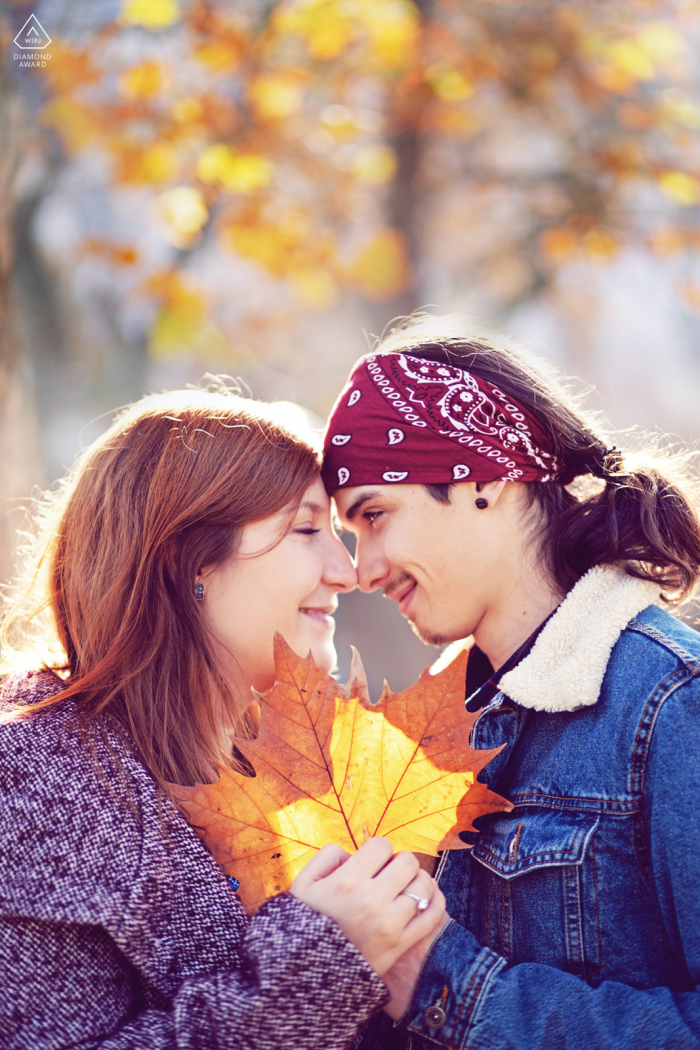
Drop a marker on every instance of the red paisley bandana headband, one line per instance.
(404, 419)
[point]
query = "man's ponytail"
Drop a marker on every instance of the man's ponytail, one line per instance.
(644, 516)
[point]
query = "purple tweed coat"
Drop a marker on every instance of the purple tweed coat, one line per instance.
(118, 930)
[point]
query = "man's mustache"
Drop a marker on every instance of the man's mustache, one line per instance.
(396, 584)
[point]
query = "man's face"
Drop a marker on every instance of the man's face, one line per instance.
(440, 562)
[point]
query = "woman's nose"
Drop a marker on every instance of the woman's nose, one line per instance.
(340, 571)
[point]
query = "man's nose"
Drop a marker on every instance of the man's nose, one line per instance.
(372, 568)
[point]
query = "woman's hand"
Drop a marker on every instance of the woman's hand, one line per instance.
(364, 894)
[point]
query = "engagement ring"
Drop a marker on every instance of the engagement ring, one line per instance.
(421, 902)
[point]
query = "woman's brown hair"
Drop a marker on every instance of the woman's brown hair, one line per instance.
(645, 513)
(109, 593)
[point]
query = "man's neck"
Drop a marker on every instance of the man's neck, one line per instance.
(505, 627)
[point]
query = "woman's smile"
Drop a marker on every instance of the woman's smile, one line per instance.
(322, 615)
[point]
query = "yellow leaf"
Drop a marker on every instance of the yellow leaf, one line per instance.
(153, 14)
(614, 79)
(599, 243)
(677, 107)
(250, 172)
(159, 162)
(152, 164)
(315, 287)
(76, 124)
(275, 96)
(448, 84)
(215, 164)
(559, 242)
(680, 187)
(223, 56)
(338, 121)
(186, 110)
(662, 43)
(332, 767)
(143, 81)
(326, 25)
(394, 27)
(380, 269)
(690, 294)
(374, 165)
(182, 325)
(180, 333)
(70, 67)
(242, 173)
(631, 59)
(264, 244)
(455, 121)
(184, 210)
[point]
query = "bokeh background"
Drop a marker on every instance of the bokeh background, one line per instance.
(256, 188)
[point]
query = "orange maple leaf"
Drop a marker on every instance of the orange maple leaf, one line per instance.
(333, 767)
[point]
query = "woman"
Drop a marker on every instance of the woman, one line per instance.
(486, 503)
(186, 535)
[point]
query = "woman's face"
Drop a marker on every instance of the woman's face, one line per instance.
(291, 588)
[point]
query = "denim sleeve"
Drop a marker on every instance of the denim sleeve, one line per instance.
(467, 996)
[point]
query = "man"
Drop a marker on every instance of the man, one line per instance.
(576, 921)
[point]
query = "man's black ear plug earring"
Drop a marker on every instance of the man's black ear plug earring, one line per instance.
(481, 503)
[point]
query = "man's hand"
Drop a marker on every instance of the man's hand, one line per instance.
(402, 977)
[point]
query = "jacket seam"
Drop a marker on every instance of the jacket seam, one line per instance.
(691, 662)
(594, 869)
(640, 753)
(601, 805)
(491, 975)
(476, 997)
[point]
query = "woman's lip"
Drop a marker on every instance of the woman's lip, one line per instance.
(324, 616)
(405, 599)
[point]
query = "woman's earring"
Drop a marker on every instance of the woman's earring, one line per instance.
(199, 592)
(481, 503)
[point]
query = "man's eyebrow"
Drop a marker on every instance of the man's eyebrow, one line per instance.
(352, 511)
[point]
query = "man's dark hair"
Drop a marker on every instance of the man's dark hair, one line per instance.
(646, 512)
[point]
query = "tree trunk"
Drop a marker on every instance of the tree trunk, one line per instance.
(19, 447)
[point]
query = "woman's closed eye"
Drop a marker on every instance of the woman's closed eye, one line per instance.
(306, 530)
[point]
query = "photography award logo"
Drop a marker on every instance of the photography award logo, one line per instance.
(32, 41)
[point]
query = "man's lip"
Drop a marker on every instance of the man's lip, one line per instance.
(402, 595)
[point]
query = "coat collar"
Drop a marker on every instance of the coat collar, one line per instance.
(565, 668)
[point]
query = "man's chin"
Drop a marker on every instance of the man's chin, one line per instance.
(426, 635)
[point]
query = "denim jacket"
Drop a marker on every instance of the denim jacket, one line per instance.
(576, 917)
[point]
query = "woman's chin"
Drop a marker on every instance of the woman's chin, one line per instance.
(325, 656)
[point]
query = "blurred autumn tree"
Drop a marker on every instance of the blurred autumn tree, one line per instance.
(198, 179)
(310, 136)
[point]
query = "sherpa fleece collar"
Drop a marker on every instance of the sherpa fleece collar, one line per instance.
(566, 665)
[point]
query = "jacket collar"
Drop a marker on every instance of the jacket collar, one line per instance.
(566, 665)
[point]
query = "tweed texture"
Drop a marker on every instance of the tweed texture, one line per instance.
(117, 928)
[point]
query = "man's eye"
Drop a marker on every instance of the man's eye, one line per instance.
(371, 515)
